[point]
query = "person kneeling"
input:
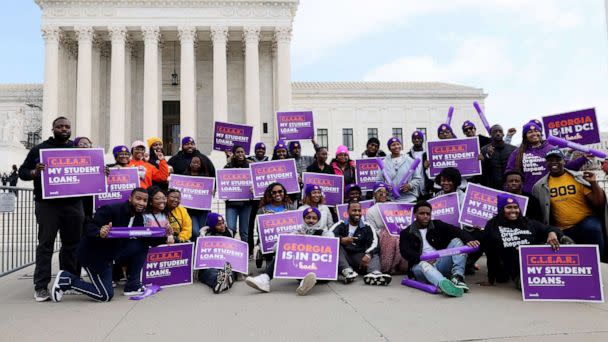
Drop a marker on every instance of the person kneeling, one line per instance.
(425, 235)
(311, 226)
(219, 280)
(358, 249)
(505, 233)
(96, 252)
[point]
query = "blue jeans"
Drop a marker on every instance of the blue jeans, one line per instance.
(242, 212)
(199, 220)
(444, 267)
(588, 231)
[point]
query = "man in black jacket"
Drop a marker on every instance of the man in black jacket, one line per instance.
(358, 249)
(514, 181)
(424, 236)
(181, 160)
(495, 157)
(65, 215)
(96, 252)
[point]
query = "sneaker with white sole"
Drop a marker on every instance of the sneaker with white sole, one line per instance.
(458, 281)
(348, 275)
(135, 292)
(229, 275)
(61, 284)
(260, 283)
(306, 284)
(41, 295)
(377, 278)
(220, 282)
(449, 289)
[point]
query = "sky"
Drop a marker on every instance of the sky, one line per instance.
(532, 58)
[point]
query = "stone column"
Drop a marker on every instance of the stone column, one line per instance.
(84, 83)
(219, 38)
(188, 113)
(151, 114)
(50, 95)
(283, 39)
(118, 35)
(251, 38)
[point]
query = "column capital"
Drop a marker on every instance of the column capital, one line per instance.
(219, 34)
(151, 34)
(186, 34)
(84, 33)
(251, 34)
(118, 34)
(51, 33)
(282, 34)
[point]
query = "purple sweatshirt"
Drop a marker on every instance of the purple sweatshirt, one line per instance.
(534, 166)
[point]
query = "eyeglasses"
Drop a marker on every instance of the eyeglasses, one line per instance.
(278, 192)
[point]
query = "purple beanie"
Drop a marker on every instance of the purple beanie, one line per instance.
(393, 140)
(467, 124)
(418, 134)
(260, 145)
(118, 149)
(504, 199)
(186, 140)
(531, 125)
(445, 127)
(380, 185)
(538, 123)
(294, 144)
(308, 188)
(212, 219)
(351, 187)
(311, 210)
(280, 145)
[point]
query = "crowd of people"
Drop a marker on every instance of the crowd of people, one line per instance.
(566, 205)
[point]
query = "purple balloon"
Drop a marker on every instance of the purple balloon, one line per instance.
(408, 175)
(563, 143)
(432, 289)
(450, 113)
(447, 252)
(482, 116)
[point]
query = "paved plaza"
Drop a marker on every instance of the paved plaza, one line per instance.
(331, 312)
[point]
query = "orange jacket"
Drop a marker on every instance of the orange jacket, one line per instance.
(148, 173)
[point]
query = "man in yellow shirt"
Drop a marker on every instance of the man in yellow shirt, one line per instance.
(572, 201)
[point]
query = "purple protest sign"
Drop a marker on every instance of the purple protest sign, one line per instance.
(366, 173)
(298, 255)
(343, 209)
(168, 265)
(121, 181)
(480, 205)
(282, 171)
(331, 185)
(233, 184)
(570, 274)
(295, 125)
(462, 154)
(579, 126)
(215, 251)
(396, 216)
(72, 172)
(226, 135)
(446, 208)
(136, 232)
(270, 226)
(197, 192)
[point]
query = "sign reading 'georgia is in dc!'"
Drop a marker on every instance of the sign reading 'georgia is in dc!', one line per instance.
(298, 255)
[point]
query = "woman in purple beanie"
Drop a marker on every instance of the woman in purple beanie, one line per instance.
(314, 198)
(529, 158)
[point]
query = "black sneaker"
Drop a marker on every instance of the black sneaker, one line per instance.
(458, 281)
(41, 295)
(220, 282)
(229, 275)
(135, 292)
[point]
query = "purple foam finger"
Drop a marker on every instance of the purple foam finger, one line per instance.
(387, 179)
(450, 113)
(410, 172)
(482, 116)
(432, 289)
(563, 143)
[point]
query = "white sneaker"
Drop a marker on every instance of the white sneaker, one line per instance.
(56, 291)
(307, 284)
(261, 282)
(377, 278)
(136, 292)
(349, 275)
